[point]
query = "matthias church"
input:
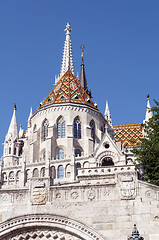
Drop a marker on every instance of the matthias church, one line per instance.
(70, 174)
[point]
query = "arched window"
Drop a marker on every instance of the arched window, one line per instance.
(11, 176)
(107, 161)
(15, 151)
(77, 153)
(35, 173)
(78, 165)
(45, 129)
(92, 125)
(60, 153)
(60, 172)
(42, 172)
(44, 156)
(68, 171)
(77, 128)
(61, 128)
(9, 150)
(17, 176)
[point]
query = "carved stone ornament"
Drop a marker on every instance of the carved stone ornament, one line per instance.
(127, 186)
(91, 194)
(39, 196)
(74, 195)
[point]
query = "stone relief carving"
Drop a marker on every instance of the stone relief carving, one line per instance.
(39, 195)
(41, 234)
(91, 194)
(127, 186)
(74, 195)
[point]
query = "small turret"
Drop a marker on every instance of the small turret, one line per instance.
(107, 114)
(13, 128)
(149, 113)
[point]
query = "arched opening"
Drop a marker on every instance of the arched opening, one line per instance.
(61, 128)
(78, 165)
(60, 153)
(77, 153)
(107, 161)
(35, 173)
(77, 128)
(46, 226)
(60, 172)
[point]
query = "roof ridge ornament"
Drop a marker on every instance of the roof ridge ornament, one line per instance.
(67, 60)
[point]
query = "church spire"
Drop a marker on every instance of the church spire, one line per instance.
(13, 128)
(67, 61)
(107, 114)
(83, 80)
(149, 113)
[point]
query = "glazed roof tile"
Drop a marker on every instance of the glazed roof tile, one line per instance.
(68, 90)
(128, 134)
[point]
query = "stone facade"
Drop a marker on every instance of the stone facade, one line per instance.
(66, 177)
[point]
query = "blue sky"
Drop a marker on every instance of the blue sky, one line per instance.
(121, 56)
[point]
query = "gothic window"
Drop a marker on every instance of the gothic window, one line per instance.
(86, 164)
(92, 125)
(78, 165)
(42, 172)
(45, 129)
(15, 151)
(61, 128)
(9, 150)
(77, 128)
(77, 153)
(11, 176)
(44, 156)
(17, 176)
(60, 172)
(68, 171)
(107, 161)
(60, 153)
(35, 173)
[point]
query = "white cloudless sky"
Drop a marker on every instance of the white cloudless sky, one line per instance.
(121, 55)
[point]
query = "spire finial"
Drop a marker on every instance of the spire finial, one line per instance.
(15, 107)
(68, 29)
(148, 97)
(82, 50)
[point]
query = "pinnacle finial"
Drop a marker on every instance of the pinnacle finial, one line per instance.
(148, 97)
(15, 107)
(68, 29)
(82, 50)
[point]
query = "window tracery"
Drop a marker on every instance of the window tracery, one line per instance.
(60, 172)
(77, 128)
(60, 153)
(61, 128)
(45, 129)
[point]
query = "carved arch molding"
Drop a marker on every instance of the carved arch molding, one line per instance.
(46, 227)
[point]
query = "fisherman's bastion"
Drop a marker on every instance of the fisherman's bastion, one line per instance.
(70, 174)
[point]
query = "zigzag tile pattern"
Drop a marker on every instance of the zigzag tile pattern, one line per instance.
(42, 235)
(128, 134)
(68, 89)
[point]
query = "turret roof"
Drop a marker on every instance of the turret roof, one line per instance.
(68, 90)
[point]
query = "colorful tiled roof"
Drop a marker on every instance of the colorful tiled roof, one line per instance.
(68, 90)
(128, 134)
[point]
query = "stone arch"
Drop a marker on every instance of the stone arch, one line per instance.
(39, 224)
(103, 155)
